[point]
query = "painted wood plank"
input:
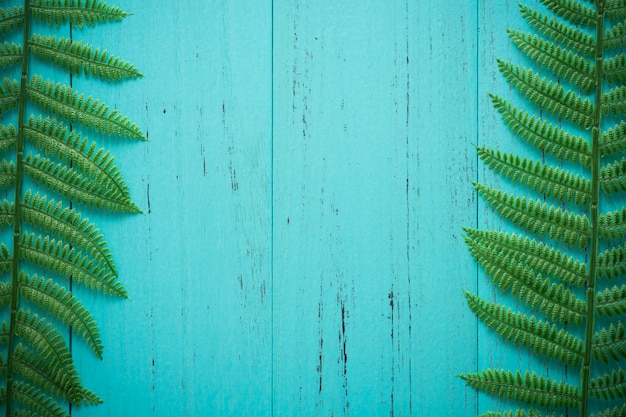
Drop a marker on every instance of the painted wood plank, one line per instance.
(442, 165)
(340, 205)
(194, 339)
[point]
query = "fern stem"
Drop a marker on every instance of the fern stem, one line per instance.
(17, 222)
(593, 209)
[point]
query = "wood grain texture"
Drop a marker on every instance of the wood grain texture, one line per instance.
(308, 173)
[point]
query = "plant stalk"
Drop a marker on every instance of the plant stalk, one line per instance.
(17, 221)
(593, 210)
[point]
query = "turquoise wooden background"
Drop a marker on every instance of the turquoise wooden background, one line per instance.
(308, 173)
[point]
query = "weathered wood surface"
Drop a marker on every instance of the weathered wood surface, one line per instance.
(308, 173)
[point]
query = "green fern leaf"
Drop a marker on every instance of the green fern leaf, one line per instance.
(46, 342)
(613, 177)
(11, 18)
(518, 413)
(573, 10)
(536, 255)
(613, 102)
(36, 400)
(615, 37)
(62, 304)
(528, 388)
(543, 338)
(549, 95)
(612, 225)
(53, 139)
(614, 71)
(554, 300)
(570, 37)
(78, 58)
(581, 45)
(7, 174)
(613, 140)
(615, 10)
(539, 177)
(609, 344)
(65, 260)
(543, 135)
(76, 12)
(9, 94)
(609, 386)
(8, 137)
(68, 225)
(5, 294)
(38, 370)
(61, 101)
(610, 302)
(69, 182)
(612, 263)
(562, 63)
(41, 374)
(10, 54)
(538, 217)
(615, 412)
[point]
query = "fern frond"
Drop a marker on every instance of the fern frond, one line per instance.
(543, 338)
(63, 305)
(10, 54)
(6, 213)
(549, 95)
(79, 58)
(611, 301)
(517, 413)
(551, 181)
(543, 135)
(538, 217)
(563, 63)
(614, 101)
(613, 140)
(612, 262)
(61, 101)
(573, 10)
(68, 182)
(615, 412)
(5, 294)
(615, 9)
(46, 340)
(67, 224)
(555, 301)
(614, 69)
(11, 18)
(608, 386)
(8, 137)
(53, 139)
(9, 94)
(615, 37)
(38, 372)
(536, 255)
(612, 225)
(528, 388)
(7, 173)
(77, 12)
(36, 400)
(613, 177)
(5, 259)
(609, 344)
(570, 37)
(65, 260)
